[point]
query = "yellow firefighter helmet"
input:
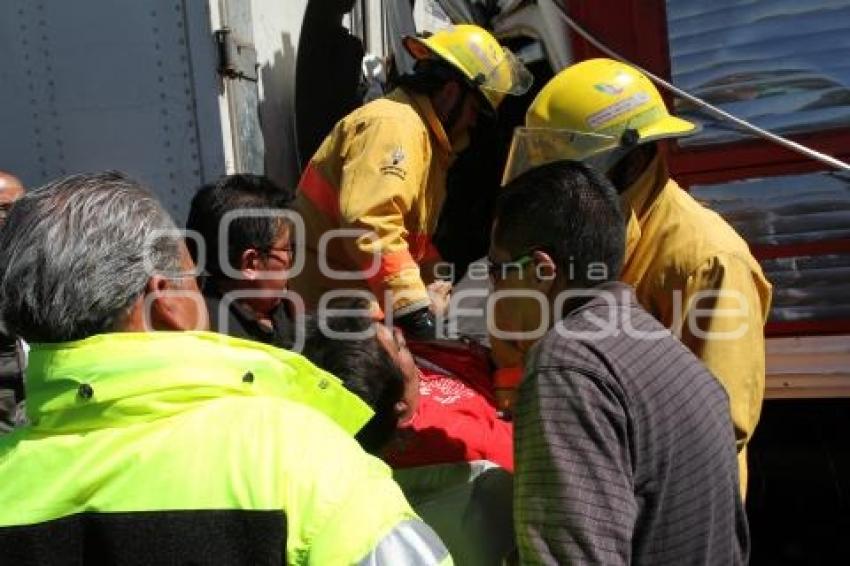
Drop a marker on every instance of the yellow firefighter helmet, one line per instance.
(473, 51)
(594, 111)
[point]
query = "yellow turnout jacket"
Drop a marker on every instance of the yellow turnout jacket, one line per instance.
(381, 176)
(694, 273)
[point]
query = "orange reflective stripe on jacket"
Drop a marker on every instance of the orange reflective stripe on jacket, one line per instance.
(388, 265)
(320, 192)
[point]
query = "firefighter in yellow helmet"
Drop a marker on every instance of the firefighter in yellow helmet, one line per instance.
(380, 175)
(690, 269)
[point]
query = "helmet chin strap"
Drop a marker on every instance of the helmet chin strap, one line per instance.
(616, 163)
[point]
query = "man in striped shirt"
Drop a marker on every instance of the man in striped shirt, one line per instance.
(625, 452)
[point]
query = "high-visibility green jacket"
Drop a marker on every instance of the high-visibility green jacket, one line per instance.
(153, 448)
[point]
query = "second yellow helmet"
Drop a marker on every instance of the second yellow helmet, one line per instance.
(592, 111)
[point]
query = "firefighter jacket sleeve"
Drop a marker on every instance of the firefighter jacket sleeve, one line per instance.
(381, 179)
(725, 306)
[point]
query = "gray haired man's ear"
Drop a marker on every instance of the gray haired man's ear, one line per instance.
(169, 304)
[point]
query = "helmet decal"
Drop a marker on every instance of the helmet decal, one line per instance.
(608, 88)
(609, 113)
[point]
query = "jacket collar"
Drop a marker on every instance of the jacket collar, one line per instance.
(601, 295)
(121, 378)
(426, 111)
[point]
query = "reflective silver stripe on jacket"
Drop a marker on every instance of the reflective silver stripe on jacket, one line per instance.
(410, 542)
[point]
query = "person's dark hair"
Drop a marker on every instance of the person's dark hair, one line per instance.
(362, 363)
(231, 193)
(568, 210)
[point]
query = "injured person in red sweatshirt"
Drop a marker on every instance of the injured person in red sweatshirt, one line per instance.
(434, 407)
(456, 419)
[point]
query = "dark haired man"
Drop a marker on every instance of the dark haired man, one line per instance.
(371, 195)
(422, 416)
(247, 302)
(624, 445)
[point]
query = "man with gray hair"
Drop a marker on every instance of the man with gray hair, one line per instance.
(150, 447)
(12, 361)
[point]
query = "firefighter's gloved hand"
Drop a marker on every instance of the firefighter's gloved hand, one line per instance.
(418, 325)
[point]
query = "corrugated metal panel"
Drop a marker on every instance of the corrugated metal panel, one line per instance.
(809, 287)
(782, 64)
(795, 209)
(791, 210)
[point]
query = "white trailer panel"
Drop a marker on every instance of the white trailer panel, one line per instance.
(110, 84)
